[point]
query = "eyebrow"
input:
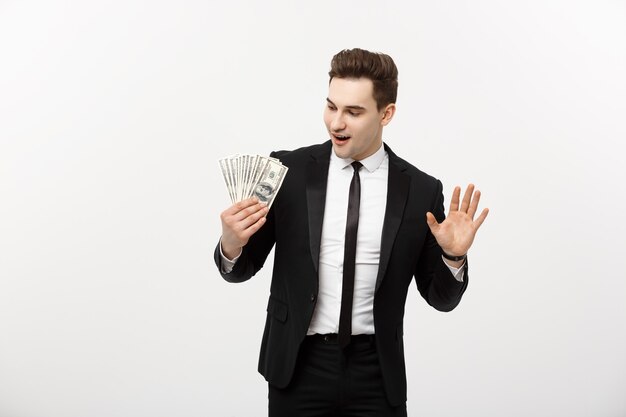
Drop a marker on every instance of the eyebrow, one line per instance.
(352, 107)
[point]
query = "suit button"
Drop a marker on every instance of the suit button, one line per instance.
(312, 298)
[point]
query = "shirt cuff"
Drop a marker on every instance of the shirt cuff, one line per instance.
(228, 264)
(458, 273)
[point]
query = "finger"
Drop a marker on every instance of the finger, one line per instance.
(481, 218)
(474, 204)
(249, 211)
(467, 197)
(454, 203)
(255, 227)
(241, 205)
(253, 218)
(432, 222)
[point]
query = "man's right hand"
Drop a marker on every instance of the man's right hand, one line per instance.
(239, 222)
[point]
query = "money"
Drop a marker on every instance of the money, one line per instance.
(248, 176)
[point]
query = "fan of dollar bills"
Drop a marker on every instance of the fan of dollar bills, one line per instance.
(252, 175)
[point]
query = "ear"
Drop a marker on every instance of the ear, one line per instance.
(388, 113)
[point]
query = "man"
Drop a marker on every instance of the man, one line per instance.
(352, 225)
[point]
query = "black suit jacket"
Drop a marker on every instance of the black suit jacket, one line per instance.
(294, 226)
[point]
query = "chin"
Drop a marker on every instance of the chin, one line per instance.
(342, 152)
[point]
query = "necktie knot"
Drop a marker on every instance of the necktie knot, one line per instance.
(356, 165)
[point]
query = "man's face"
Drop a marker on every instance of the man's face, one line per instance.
(354, 123)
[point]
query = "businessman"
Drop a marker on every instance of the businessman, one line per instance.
(352, 226)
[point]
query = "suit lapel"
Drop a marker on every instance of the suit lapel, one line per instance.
(316, 180)
(397, 193)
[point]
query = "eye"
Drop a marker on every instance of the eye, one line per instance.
(331, 107)
(354, 113)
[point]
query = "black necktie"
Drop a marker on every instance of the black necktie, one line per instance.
(349, 258)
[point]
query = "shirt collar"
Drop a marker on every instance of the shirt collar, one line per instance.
(371, 163)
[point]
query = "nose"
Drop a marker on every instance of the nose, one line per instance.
(336, 123)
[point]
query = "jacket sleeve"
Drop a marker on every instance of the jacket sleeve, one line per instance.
(434, 280)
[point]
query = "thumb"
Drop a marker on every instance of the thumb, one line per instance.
(432, 222)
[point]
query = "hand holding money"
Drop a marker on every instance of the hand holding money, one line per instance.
(239, 222)
(253, 182)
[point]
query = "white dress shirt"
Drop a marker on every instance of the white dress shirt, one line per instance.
(373, 176)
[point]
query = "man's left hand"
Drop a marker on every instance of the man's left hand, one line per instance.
(456, 233)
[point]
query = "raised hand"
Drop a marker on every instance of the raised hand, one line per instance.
(456, 233)
(239, 222)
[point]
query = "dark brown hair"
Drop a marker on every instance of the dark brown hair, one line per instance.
(378, 67)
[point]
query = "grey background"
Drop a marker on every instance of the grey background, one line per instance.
(113, 116)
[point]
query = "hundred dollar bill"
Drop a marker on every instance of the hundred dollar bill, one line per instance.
(256, 174)
(231, 163)
(249, 161)
(247, 176)
(252, 170)
(270, 182)
(227, 180)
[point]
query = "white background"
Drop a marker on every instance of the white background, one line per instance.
(112, 118)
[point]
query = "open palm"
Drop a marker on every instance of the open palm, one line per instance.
(456, 233)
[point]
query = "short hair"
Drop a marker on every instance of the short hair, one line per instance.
(376, 66)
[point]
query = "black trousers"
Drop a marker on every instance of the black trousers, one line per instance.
(331, 382)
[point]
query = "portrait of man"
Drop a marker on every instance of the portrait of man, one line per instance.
(244, 208)
(353, 225)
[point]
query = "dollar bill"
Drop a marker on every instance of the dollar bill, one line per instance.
(248, 176)
(270, 182)
(226, 175)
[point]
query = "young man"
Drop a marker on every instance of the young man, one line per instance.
(352, 226)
